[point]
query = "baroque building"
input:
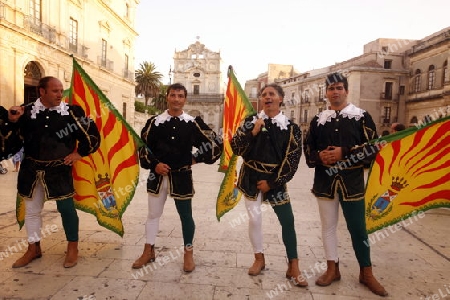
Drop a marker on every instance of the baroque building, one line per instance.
(199, 70)
(395, 80)
(38, 37)
(429, 78)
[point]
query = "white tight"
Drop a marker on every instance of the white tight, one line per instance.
(329, 215)
(155, 210)
(255, 223)
(33, 216)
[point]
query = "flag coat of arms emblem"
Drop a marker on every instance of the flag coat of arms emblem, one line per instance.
(104, 181)
(236, 108)
(410, 174)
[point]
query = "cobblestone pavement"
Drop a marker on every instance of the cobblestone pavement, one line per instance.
(412, 262)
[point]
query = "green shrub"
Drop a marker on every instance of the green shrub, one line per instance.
(141, 107)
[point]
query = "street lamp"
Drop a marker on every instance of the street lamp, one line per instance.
(170, 74)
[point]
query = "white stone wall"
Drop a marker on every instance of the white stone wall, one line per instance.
(24, 40)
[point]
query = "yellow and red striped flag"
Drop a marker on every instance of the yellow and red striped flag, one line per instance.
(105, 181)
(410, 174)
(236, 108)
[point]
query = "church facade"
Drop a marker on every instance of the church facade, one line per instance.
(199, 70)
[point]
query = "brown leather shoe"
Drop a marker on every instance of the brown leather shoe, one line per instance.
(366, 277)
(258, 265)
(71, 255)
(293, 273)
(331, 274)
(33, 252)
(189, 264)
(147, 256)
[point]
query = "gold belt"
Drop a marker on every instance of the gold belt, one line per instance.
(261, 167)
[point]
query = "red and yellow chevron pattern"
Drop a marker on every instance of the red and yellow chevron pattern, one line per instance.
(105, 181)
(236, 108)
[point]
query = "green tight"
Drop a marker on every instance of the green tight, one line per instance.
(286, 218)
(184, 208)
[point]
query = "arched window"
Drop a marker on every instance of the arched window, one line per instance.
(413, 120)
(417, 81)
(32, 73)
(431, 77)
(445, 73)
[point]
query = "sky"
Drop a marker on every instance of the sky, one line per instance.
(250, 34)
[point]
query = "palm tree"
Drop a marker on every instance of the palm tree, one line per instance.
(148, 80)
(160, 100)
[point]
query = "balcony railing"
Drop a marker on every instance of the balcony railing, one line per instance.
(35, 26)
(127, 74)
(105, 63)
(385, 120)
(384, 96)
(205, 98)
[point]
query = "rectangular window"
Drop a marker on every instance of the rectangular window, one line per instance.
(73, 35)
(35, 11)
(124, 110)
(388, 90)
(321, 92)
(402, 90)
(387, 115)
(306, 96)
(305, 116)
(104, 46)
(126, 73)
(196, 89)
(388, 64)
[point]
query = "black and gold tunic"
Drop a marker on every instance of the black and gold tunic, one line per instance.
(351, 128)
(10, 141)
(272, 155)
(176, 141)
(49, 135)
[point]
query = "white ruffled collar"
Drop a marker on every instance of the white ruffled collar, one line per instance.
(280, 120)
(164, 117)
(350, 111)
(62, 108)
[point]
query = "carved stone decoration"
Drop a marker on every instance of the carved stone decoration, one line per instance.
(32, 71)
(197, 48)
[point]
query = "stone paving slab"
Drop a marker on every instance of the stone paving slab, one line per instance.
(412, 262)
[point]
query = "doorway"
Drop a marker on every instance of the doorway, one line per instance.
(32, 75)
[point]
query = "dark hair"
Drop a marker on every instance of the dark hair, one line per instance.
(176, 86)
(335, 78)
(278, 88)
(399, 127)
(44, 81)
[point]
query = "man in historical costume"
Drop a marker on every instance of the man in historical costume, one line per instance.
(10, 140)
(337, 146)
(54, 136)
(270, 145)
(175, 141)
